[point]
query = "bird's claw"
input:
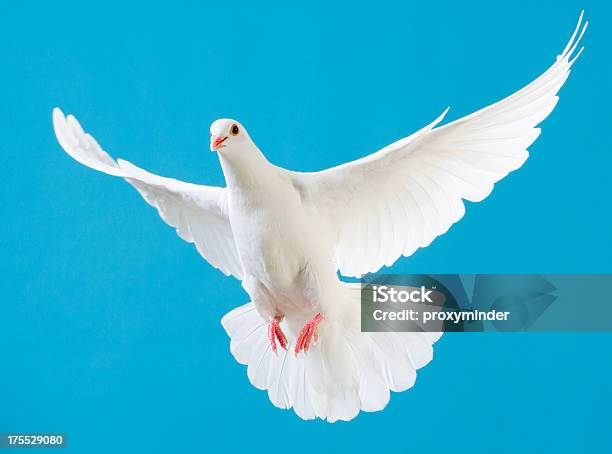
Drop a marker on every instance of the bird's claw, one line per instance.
(275, 332)
(308, 332)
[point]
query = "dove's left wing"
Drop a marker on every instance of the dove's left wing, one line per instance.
(199, 213)
(400, 198)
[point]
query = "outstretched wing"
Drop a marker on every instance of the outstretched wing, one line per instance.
(400, 198)
(199, 213)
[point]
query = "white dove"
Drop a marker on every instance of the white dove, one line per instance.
(286, 234)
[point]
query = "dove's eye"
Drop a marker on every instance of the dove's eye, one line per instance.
(234, 130)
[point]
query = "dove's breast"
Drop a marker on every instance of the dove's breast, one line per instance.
(278, 240)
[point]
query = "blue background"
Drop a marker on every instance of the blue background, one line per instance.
(109, 324)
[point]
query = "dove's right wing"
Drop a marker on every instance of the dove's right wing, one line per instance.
(199, 213)
(400, 198)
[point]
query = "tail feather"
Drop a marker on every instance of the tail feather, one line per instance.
(345, 372)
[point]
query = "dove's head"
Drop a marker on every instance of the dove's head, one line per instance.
(227, 135)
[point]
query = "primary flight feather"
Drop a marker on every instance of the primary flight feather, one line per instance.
(285, 235)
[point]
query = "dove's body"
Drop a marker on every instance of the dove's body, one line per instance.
(285, 235)
(280, 255)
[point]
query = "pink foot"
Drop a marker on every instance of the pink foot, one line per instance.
(275, 332)
(309, 331)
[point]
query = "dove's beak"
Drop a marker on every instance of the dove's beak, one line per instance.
(216, 142)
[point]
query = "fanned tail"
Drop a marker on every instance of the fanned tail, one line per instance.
(345, 372)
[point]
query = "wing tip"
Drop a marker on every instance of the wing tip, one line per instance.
(57, 116)
(81, 146)
(63, 134)
(573, 42)
(438, 120)
(443, 114)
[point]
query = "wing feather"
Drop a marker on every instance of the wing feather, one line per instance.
(198, 213)
(400, 198)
